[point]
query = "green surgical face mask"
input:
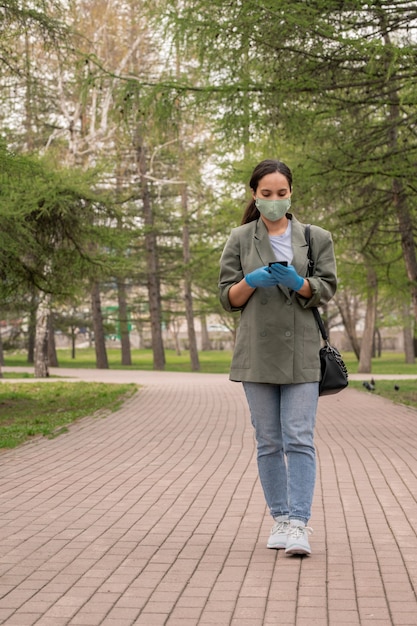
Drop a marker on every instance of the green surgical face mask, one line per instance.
(273, 210)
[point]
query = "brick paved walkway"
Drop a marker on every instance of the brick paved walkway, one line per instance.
(154, 515)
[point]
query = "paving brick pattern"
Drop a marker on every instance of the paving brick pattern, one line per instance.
(154, 515)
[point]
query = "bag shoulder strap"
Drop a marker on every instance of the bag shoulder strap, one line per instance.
(310, 272)
(310, 269)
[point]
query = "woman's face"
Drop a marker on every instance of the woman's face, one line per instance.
(273, 186)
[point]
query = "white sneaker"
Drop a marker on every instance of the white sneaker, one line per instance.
(297, 540)
(278, 537)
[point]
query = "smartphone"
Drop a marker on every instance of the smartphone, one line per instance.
(280, 263)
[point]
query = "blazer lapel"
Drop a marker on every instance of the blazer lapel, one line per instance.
(262, 243)
(299, 247)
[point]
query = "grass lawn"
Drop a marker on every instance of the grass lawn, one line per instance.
(212, 361)
(17, 375)
(405, 394)
(388, 363)
(32, 409)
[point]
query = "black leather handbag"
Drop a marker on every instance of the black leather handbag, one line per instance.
(334, 374)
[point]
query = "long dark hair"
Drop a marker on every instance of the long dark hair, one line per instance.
(269, 166)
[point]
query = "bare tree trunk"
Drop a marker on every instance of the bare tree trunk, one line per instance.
(123, 323)
(176, 334)
(52, 355)
(408, 336)
(152, 265)
(205, 339)
(377, 343)
(188, 297)
(347, 311)
(41, 338)
(367, 343)
(408, 245)
(32, 325)
(1, 356)
(404, 216)
(99, 338)
(139, 330)
(73, 340)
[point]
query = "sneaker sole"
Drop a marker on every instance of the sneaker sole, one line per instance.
(277, 546)
(300, 550)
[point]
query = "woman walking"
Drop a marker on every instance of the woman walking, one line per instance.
(276, 357)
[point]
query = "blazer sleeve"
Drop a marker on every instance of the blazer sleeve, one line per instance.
(323, 282)
(230, 270)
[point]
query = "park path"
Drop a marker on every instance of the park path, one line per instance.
(154, 515)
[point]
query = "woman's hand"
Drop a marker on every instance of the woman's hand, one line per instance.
(261, 277)
(287, 276)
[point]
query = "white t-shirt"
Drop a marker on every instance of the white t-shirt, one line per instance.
(281, 245)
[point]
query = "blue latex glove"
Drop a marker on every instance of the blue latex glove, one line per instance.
(287, 276)
(261, 277)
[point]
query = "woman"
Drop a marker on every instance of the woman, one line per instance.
(276, 356)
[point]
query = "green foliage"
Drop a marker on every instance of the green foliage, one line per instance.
(326, 74)
(48, 219)
(39, 18)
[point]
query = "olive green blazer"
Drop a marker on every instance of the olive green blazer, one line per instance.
(278, 339)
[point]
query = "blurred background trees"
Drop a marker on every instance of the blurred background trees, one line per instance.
(129, 131)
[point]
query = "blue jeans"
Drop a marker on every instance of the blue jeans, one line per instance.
(284, 417)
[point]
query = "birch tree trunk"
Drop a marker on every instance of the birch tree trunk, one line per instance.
(99, 338)
(152, 265)
(41, 337)
(188, 297)
(186, 256)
